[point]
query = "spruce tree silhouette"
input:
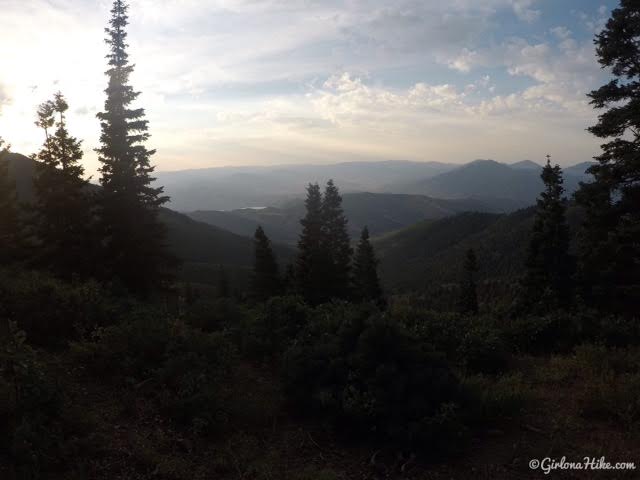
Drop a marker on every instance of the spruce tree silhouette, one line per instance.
(265, 279)
(609, 250)
(312, 261)
(547, 283)
(135, 251)
(366, 284)
(63, 221)
(336, 243)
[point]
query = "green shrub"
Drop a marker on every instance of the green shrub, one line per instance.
(556, 332)
(443, 330)
(132, 349)
(193, 380)
(211, 315)
(617, 331)
(30, 408)
(608, 382)
(273, 327)
(52, 312)
(184, 369)
(371, 376)
(482, 349)
(489, 400)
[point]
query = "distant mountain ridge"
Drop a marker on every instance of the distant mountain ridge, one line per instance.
(526, 164)
(517, 184)
(506, 187)
(232, 188)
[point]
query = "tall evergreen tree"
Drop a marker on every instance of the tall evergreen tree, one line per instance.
(62, 207)
(10, 228)
(468, 292)
(311, 264)
(610, 240)
(366, 284)
(265, 279)
(336, 243)
(549, 267)
(135, 252)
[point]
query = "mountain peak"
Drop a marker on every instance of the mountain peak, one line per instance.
(526, 164)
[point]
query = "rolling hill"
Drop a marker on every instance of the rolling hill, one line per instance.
(423, 253)
(432, 252)
(380, 212)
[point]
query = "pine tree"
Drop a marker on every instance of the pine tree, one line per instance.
(468, 293)
(10, 228)
(336, 243)
(549, 267)
(135, 252)
(265, 280)
(366, 284)
(311, 263)
(63, 214)
(609, 246)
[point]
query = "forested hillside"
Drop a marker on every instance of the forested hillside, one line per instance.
(380, 212)
(199, 247)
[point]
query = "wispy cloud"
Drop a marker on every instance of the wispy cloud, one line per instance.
(259, 81)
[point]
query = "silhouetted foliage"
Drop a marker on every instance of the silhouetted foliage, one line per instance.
(312, 261)
(10, 225)
(135, 251)
(336, 243)
(609, 247)
(32, 435)
(373, 378)
(468, 293)
(224, 288)
(265, 280)
(549, 267)
(63, 211)
(366, 284)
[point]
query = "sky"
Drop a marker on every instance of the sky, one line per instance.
(260, 82)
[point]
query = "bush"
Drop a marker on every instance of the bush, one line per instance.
(483, 350)
(372, 376)
(132, 349)
(556, 332)
(211, 315)
(273, 327)
(617, 331)
(30, 408)
(184, 369)
(193, 380)
(443, 331)
(52, 312)
(609, 383)
(492, 399)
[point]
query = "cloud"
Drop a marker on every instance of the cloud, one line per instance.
(523, 10)
(248, 80)
(5, 99)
